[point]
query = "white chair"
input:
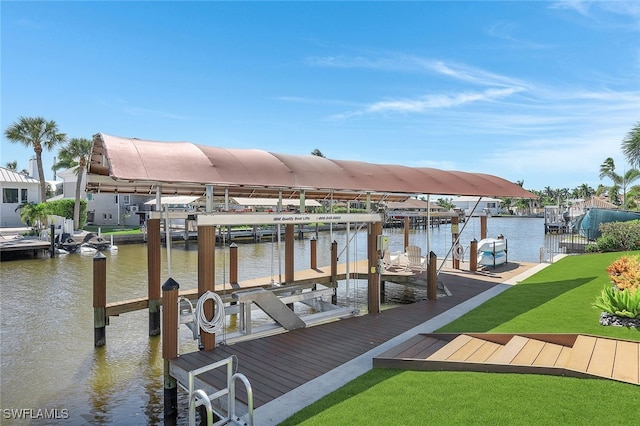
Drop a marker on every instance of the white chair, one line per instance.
(390, 260)
(416, 261)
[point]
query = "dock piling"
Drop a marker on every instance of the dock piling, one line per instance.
(473, 255)
(99, 299)
(153, 276)
(170, 347)
(314, 253)
(432, 277)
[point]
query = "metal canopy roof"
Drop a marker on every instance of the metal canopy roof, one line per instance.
(130, 165)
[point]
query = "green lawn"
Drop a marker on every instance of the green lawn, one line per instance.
(555, 300)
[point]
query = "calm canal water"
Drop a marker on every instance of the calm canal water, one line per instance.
(46, 334)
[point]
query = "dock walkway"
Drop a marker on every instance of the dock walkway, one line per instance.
(290, 370)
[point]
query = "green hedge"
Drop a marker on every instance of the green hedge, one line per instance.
(618, 236)
(64, 208)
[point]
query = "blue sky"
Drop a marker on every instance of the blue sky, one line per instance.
(536, 91)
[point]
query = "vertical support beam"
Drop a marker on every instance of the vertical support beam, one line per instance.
(334, 271)
(289, 241)
(153, 275)
(233, 264)
(206, 276)
(99, 299)
(209, 198)
(432, 277)
(52, 247)
(483, 227)
(473, 256)
(406, 231)
(170, 347)
(373, 289)
(454, 238)
(314, 253)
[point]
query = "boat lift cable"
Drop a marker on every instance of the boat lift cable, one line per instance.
(457, 241)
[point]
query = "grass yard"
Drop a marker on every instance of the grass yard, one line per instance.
(556, 300)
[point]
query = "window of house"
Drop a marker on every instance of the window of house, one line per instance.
(126, 199)
(10, 195)
(23, 195)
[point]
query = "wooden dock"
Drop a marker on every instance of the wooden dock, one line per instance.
(16, 247)
(280, 363)
(555, 354)
(308, 277)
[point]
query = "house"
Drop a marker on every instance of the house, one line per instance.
(104, 209)
(16, 190)
(486, 205)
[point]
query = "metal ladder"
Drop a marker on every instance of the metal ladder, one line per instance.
(199, 397)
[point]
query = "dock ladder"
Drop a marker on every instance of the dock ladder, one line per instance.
(199, 397)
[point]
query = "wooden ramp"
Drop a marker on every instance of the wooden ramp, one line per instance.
(556, 354)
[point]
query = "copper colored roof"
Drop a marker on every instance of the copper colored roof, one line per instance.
(130, 165)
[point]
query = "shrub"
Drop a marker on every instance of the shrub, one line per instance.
(64, 208)
(619, 236)
(619, 302)
(625, 273)
(622, 298)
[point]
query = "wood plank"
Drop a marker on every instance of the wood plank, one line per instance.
(548, 355)
(563, 358)
(581, 353)
(529, 352)
(626, 366)
(484, 351)
(464, 352)
(604, 352)
(448, 350)
(402, 347)
(509, 351)
(427, 352)
(423, 347)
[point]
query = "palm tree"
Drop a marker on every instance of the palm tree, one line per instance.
(40, 134)
(607, 169)
(13, 165)
(317, 153)
(75, 153)
(631, 146)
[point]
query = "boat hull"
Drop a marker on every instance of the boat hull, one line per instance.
(492, 245)
(491, 259)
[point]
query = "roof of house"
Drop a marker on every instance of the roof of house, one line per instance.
(130, 165)
(7, 175)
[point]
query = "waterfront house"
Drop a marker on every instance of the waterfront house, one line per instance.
(486, 205)
(17, 189)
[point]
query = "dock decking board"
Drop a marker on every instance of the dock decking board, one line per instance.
(323, 347)
(561, 354)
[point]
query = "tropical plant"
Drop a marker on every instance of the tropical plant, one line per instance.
(34, 215)
(622, 303)
(625, 273)
(75, 154)
(631, 146)
(13, 165)
(607, 169)
(39, 134)
(317, 153)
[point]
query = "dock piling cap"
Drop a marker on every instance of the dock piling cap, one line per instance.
(170, 284)
(99, 255)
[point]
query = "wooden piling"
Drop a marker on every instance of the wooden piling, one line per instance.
(170, 347)
(289, 242)
(99, 299)
(454, 238)
(473, 256)
(233, 264)
(483, 227)
(373, 291)
(153, 275)
(432, 277)
(314, 253)
(206, 277)
(406, 231)
(52, 248)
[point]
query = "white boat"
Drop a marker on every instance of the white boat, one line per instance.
(487, 258)
(492, 245)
